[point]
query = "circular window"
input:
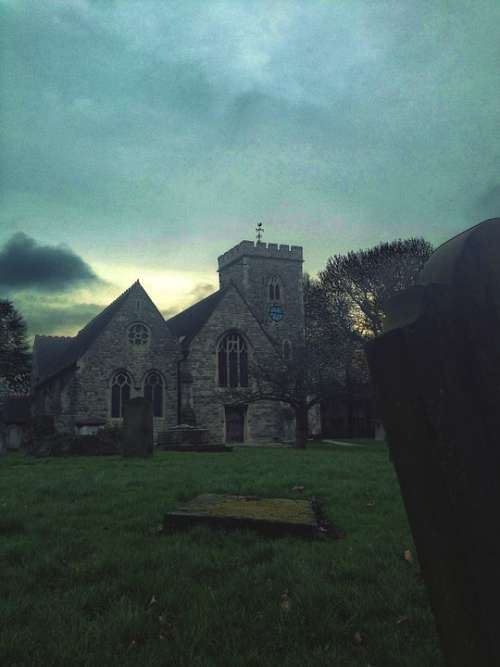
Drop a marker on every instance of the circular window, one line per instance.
(138, 335)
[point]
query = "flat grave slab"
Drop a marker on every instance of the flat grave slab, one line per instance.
(271, 516)
(194, 448)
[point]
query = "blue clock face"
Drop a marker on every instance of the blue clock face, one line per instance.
(276, 313)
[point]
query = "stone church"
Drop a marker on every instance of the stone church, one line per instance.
(188, 365)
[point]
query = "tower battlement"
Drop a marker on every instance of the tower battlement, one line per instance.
(252, 249)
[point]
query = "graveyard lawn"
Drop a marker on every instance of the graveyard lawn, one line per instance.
(87, 579)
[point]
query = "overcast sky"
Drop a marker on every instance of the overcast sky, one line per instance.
(142, 139)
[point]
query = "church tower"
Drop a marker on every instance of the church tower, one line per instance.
(270, 278)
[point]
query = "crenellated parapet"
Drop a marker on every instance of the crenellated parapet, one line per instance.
(252, 249)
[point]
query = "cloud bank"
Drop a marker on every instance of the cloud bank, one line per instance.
(26, 264)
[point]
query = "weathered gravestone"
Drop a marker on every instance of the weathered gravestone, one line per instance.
(436, 374)
(137, 427)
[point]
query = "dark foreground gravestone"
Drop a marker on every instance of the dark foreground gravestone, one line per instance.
(137, 427)
(436, 374)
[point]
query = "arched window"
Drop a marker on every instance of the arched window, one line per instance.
(287, 350)
(153, 391)
(275, 291)
(232, 361)
(120, 392)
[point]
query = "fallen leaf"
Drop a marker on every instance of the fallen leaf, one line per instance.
(408, 557)
(299, 488)
(153, 601)
(402, 619)
(358, 639)
(132, 644)
(370, 503)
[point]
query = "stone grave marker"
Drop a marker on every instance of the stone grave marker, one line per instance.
(270, 516)
(137, 427)
(436, 374)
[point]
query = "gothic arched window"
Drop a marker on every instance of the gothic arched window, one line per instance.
(120, 392)
(287, 350)
(153, 391)
(275, 291)
(232, 361)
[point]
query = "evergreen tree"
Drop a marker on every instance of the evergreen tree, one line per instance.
(15, 358)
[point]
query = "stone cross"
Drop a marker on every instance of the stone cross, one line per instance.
(436, 374)
(137, 427)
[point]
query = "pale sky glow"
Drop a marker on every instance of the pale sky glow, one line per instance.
(149, 137)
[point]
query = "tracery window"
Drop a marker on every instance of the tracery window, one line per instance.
(232, 361)
(275, 291)
(120, 392)
(138, 335)
(153, 391)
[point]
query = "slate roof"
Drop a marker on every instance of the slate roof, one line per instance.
(185, 325)
(48, 350)
(56, 357)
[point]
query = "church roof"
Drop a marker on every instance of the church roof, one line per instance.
(56, 356)
(187, 323)
(48, 349)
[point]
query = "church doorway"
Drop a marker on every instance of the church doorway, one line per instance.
(235, 423)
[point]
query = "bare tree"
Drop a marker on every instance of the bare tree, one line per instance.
(308, 375)
(343, 308)
(358, 284)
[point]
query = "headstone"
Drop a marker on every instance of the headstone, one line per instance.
(436, 375)
(137, 427)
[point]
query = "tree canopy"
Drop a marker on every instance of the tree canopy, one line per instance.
(15, 359)
(357, 285)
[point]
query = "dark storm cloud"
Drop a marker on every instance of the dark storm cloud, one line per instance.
(26, 264)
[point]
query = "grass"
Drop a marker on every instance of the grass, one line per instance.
(86, 579)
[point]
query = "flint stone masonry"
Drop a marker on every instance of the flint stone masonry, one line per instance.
(436, 374)
(85, 390)
(72, 377)
(251, 266)
(137, 428)
(262, 418)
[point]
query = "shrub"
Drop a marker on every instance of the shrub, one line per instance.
(103, 443)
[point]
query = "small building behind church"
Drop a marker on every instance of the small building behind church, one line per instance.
(190, 365)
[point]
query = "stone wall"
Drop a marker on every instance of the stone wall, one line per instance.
(112, 352)
(208, 399)
(251, 267)
(58, 397)
(86, 390)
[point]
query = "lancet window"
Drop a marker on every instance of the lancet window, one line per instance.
(232, 361)
(153, 391)
(275, 290)
(120, 392)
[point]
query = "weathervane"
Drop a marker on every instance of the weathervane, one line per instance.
(260, 230)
